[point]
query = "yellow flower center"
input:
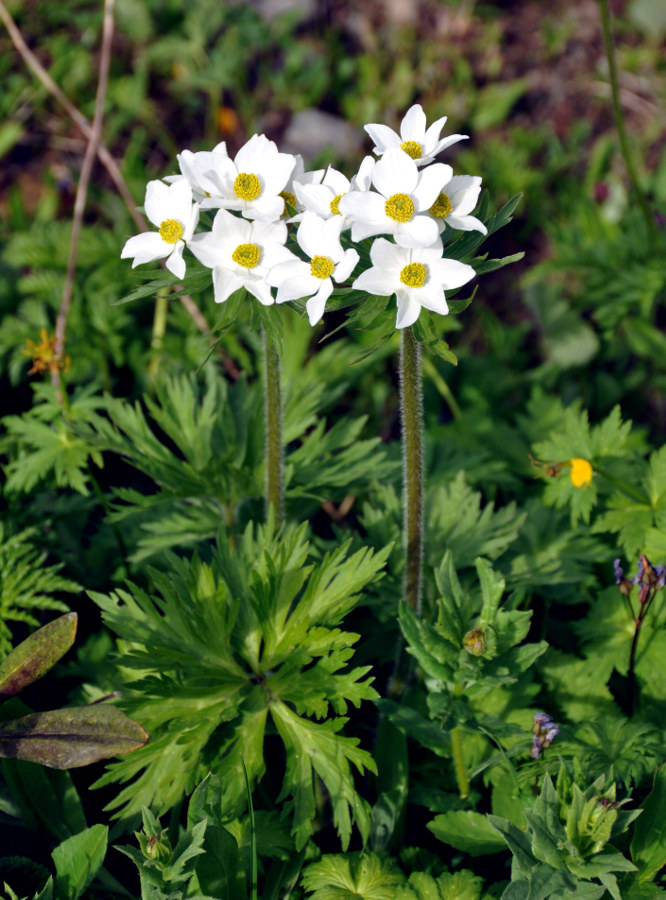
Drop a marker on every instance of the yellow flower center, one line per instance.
(581, 472)
(412, 148)
(399, 207)
(171, 231)
(414, 275)
(247, 255)
(441, 207)
(247, 186)
(321, 267)
(289, 198)
(334, 204)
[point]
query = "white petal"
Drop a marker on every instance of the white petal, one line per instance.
(451, 273)
(175, 263)
(311, 235)
(315, 197)
(225, 282)
(363, 178)
(273, 254)
(208, 250)
(255, 154)
(432, 298)
(180, 201)
(413, 125)
(363, 230)
(463, 191)
(395, 173)
(297, 287)
(431, 182)
(364, 206)
(388, 256)
(293, 268)
(432, 134)
(157, 204)
(277, 174)
(145, 248)
(346, 265)
(421, 231)
(260, 290)
(466, 223)
(383, 136)
(448, 141)
(264, 209)
(335, 180)
(409, 309)
(377, 281)
(227, 223)
(316, 305)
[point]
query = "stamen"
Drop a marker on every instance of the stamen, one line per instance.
(247, 186)
(441, 207)
(288, 198)
(412, 148)
(171, 231)
(399, 207)
(321, 267)
(334, 204)
(247, 255)
(414, 275)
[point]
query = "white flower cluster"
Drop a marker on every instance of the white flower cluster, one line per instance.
(404, 194)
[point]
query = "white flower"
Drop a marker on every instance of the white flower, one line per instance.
(195, 168)
(241, 253)
(421, 144)
(169, 207)
(320, 240)
(299, 177)
(323, 198)
(458, 198)
(417, 276)
(401, 206)
(252, 182)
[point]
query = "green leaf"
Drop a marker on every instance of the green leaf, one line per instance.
(67, 738)
(78, 859)
(352, 876)
(36, 654)
(468, 831)
(648, 846)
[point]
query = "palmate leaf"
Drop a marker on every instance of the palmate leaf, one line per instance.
(352, 876)
(218, 649)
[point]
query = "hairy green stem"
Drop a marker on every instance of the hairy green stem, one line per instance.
(625, 147)
(159, 330)
(411, 408)
(459, 761)
(273, 401)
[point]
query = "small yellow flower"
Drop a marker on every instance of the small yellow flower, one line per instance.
(581, 472)
(44, 356)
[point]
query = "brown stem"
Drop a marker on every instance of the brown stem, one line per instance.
(82, 191)
(105, 158)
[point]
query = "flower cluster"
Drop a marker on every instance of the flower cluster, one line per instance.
(256, 196)
(545, 731)
(649, 579)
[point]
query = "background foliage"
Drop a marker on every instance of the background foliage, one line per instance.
(286, 754)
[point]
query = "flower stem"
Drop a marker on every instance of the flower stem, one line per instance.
(159, 330)
(619, 119)
(459, 761)
(411, 407)
(273, 401)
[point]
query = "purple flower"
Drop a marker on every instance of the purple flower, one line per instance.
(545, 731)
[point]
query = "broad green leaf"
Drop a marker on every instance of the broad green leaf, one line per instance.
(36, 654)
(648, 847)
(78, 859)
(67, 738)
(354, 876)
(468, 831)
